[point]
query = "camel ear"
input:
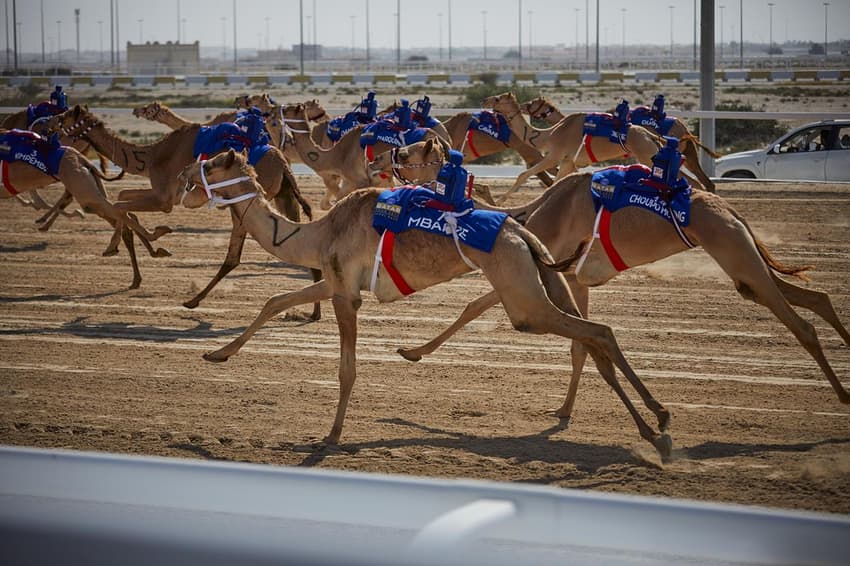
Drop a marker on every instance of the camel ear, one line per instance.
(231, 157)
(429, 145)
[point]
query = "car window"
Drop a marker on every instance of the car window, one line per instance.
(843, 138)
(811, 139)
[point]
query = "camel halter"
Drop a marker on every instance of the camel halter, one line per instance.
(396, 166)
(217, 200)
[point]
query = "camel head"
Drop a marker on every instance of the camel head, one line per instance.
(74, 122)
(225, 179)
(413, 164)
(148, 111)
(505, 103)
(262, 101)
(538, 108)
(315, 111)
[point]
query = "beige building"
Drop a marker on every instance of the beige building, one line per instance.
(163, 58)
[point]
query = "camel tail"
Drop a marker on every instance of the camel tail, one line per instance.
(772, 262)
(543, 257)
(567, 263)
(95, 170)
(695, 140)
(288, 177)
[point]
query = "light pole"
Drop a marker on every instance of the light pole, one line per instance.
(223, 38)
(6, 31)
(77, 21)
(315, 40)
(178, 22)
(235, 59)
(671, 31)
(695, 36)
(587, 32)
(185, 37)
(450, 30)
(301, 34)
(368, 53)
(576, 18)
(59, 40)
(100, 33)
(440, 20)
(770, 6)
(398, 36)
(741, 2)
(722, 7)
(623, 30)
(519, 35)
(353, 18)
(825, 20)
(530, 44)
(484, 30)
(42, 32)
(141, 24)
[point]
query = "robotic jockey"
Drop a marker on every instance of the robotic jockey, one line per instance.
(450, 185)
(368, 109)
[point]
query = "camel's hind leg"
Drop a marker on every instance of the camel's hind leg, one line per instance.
(578, 354)
(691, 155)
(277, 304)
(547, 162)
(127, 236)
(815, 301)
(345, 309)
(736, 253)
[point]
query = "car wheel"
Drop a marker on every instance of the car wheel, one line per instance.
(739, 174)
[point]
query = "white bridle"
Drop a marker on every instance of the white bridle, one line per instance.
(217, 200)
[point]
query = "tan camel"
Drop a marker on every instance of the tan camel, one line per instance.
(346, 158)
(18, 121)
(564, 216)
(562, 146)
(343, 245)
(483, 145)
(158, 112)
(162, 161)
(82, 181)
(541, 108)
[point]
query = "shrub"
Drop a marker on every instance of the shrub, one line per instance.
(742, 135)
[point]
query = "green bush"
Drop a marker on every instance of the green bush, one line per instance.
(742, 135)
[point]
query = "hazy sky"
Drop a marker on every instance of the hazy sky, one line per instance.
(552, 21)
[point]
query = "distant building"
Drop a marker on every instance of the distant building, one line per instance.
(163, 58)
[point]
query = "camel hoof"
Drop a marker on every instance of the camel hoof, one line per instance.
(664, 420)
(215, 357)
(406, 354)
(78, 213)
(136, 284)
(161, 252)
(161, 231)
(664, 444)
(191, 304)
(331, 440)
(110, 253)
(44, 227)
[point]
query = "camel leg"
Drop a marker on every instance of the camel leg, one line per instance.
(127, 235)
(158, 231)
(317, 306)
(472, 311)
(815, 301)
(345, 309)
(40, 204)
(691, 155)
(231, 260)
(30, 202)
(578, 354)
(753, 282)
(542, 165)
(566, 167)
(49, 217)
(275, 305)
(332, 189)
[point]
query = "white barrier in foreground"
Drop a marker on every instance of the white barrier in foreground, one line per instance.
(59, 507)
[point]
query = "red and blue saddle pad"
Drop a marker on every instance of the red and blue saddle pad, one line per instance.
(25, 146)
(490, 123)
(227, 135)
(390, 133)
(415, 207)
(341, 125)
(644, 116)
(599, 124)
(630, 185)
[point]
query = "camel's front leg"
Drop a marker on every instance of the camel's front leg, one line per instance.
(472, 311)
(277, 304)
(815, 301)
(231, 261)
(541, 165)
(578, 353)
(127, 235)
(346, 317)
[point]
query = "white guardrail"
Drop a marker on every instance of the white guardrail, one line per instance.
(63, 507)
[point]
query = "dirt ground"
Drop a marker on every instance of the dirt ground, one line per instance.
(86, 364)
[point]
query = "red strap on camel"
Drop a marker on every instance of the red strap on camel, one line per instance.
(6, 182)
(387, 259)
(586, 141)
(607, 244)
(470, 144)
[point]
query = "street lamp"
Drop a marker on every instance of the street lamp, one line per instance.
(825, 20)
(141, 23)
(770, 6)
(671, 30)
(440, 25)
(530, 44)
(223, 38)
(577, 10)
(353, 18)
(100, 30)
(722, 7)
(484, 29)
(623, 13)
(59, 40)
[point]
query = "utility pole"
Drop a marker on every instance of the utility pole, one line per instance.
(235, 59)
(519, 35)
(623, 31)
(450, 30)
(484, 30)
(587, 33)
(100, 35)
(15, 30)
(315, 41)
(721, 34)
(58, 38)
(742, 33)
(597, 36)
(301, 33)
(112, 35)
(77, 22)
(368, 54)
(43, 59)
(398, 36)
(178, 22)
(825, 20)
(695, 36)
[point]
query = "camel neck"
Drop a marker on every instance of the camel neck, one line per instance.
(131, 157)
(293, 242)
(520, 126)
(171, 119)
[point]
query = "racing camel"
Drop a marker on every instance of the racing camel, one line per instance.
(82, 181)
(162, 161)
(343, 245)
(346, 159)
(564, 217)
(541, 108)
(561, 145)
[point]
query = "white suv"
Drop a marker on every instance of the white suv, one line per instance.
(816, 152)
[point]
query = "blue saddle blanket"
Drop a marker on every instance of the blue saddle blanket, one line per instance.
(341, 125)
(227, 135)
(390, 133)
(490, 123)
(44, 154)
(643, 116)
(603, 124)
(42, 110)
(630, 185)
(410, 207)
